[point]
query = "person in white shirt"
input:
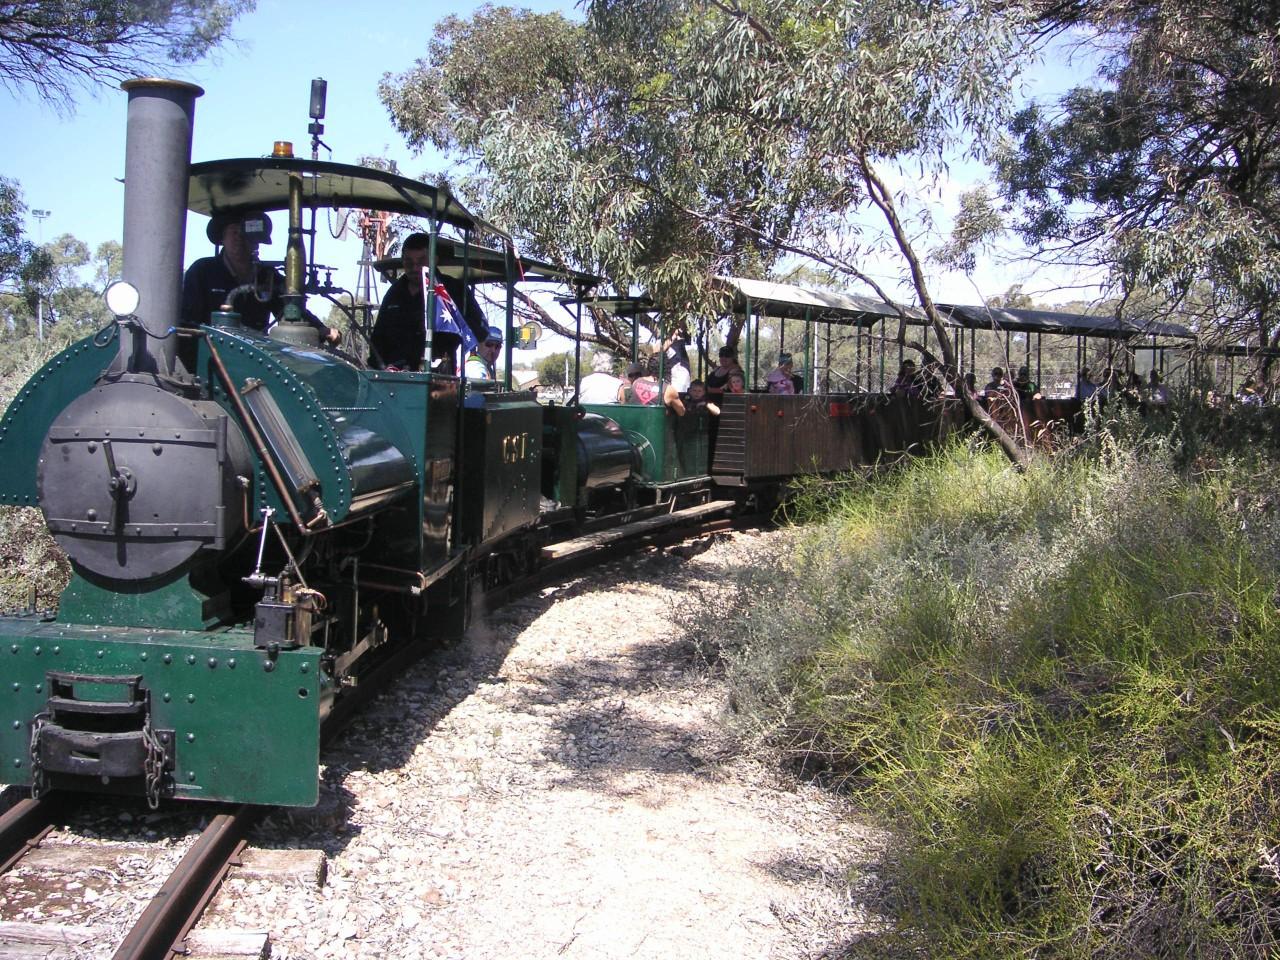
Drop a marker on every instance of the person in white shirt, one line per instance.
(600, 386)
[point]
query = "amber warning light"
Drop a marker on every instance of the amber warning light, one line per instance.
(283, 148)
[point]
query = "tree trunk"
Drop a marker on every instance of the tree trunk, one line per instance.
(1018, 455)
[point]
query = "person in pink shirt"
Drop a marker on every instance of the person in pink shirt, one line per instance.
(779, 379)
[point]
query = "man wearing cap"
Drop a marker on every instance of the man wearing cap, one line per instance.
(482, 362)
(213, 281)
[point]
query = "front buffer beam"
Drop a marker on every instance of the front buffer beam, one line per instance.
(159, 713)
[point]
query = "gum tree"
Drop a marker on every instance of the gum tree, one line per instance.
(663, 141)
(1166, 170)
(55, 47)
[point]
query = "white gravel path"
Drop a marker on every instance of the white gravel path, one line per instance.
(562, 785)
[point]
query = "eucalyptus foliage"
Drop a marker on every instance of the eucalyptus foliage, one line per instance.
(15, 248)
(66, 279)
(661, 142)
(55, 47)
(1167, 169)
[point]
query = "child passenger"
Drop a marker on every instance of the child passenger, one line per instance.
(696, 399)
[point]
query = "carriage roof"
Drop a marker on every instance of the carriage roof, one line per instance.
(804, 303)
(1052, 321)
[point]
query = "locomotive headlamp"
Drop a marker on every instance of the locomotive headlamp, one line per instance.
(121, 298)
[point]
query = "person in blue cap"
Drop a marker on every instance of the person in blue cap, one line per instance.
(482, 362)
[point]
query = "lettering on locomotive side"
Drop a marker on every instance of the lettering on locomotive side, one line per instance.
(515, 447)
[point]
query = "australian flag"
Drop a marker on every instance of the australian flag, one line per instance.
(449, 319)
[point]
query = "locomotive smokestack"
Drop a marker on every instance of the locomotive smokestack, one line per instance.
(157, 158)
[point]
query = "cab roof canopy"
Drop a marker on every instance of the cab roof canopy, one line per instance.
(486, 265)
(262, 183)
(823, 306)
(1051, 321)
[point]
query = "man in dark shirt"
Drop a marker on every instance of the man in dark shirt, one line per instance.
(234, 277)
(399, 335)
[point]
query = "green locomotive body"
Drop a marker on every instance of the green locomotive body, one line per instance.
(259, 527)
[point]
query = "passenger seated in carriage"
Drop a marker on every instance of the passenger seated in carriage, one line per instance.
(646, 388)
(907, 383)
(677, 359)
(600, 385)
(1085, 387)
(780, 378)
(482, 362)
(998, 386)
(1025, 387)
(1157, 392)
(718, 379)
(696, 399)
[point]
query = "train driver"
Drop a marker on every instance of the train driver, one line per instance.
(482, 362)
(233, 273)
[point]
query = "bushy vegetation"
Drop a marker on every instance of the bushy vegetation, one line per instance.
(1061, 688)
(28, 556)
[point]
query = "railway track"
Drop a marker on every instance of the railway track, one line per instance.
(162, 928)
(40, 874)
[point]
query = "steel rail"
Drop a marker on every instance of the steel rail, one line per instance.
(556, 571)
(177, 906)
(22, 827)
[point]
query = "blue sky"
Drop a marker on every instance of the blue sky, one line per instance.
(256, 92)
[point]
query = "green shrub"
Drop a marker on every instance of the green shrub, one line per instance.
(1061, 689)
(29, 558)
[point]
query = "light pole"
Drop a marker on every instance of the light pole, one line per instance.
(41, 216)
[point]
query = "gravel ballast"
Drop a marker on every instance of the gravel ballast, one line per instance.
(563, 784)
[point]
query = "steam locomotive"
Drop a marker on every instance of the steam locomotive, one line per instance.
(256, 524)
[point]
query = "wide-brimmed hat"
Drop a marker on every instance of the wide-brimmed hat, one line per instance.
(255, 224)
